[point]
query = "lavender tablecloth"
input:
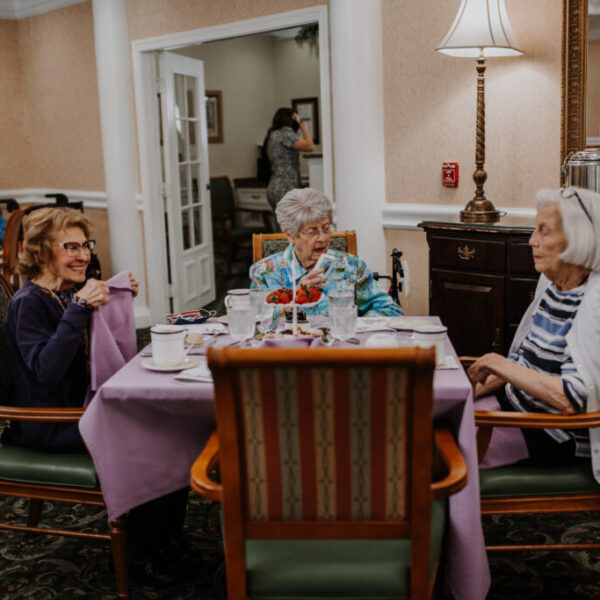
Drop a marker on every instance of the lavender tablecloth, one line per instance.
(144, 430)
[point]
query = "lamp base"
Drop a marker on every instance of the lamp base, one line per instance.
(479, 211)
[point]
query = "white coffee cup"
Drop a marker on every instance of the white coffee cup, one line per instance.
(427, 336)
(168, 344)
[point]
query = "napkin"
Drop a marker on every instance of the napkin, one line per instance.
(449, 363)
(200, 374)
(364, 324)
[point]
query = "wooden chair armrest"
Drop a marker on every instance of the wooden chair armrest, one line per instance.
(203, 465)
(467, 361)
(484, 418)
(42, 414)
(456, 477)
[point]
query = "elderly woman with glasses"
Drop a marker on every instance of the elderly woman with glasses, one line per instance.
(47, 324)
(47, 330)
(554, 361)
(305, 216)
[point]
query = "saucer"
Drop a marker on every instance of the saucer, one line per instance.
(186, 363)
(406, 323)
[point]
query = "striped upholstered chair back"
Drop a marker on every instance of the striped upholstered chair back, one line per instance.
(327, 443)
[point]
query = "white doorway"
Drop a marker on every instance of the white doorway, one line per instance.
(149, 130)
(186, 182)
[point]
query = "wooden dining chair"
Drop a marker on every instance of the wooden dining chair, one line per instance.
(325, 457)
(52, 476)
(226, 218)
(266, 244)
(13, 236)
(522, 489)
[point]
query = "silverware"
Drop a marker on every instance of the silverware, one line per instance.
(353, 340)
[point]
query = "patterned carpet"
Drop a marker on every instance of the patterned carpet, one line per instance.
(48, 567)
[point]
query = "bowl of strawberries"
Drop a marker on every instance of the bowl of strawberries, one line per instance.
(306, 296)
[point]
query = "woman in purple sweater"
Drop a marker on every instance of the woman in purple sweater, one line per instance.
(47, 330)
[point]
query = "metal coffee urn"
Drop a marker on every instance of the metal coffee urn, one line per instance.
(582, 169)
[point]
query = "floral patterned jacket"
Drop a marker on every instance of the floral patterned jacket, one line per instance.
(275, 272)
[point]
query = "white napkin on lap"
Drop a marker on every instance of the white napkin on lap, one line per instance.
(200, 373)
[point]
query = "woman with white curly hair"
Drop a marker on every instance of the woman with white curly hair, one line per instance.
(554, 361)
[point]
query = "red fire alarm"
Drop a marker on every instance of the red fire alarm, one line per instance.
(450, 174)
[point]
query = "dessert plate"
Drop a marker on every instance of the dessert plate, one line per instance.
(187, 363)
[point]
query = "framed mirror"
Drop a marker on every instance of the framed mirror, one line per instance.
(573, 75)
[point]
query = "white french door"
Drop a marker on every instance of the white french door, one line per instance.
(186, 182)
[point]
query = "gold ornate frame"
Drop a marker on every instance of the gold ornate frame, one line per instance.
(573, 75)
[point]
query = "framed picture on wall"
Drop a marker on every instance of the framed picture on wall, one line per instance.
(308, 111)
(214, 117)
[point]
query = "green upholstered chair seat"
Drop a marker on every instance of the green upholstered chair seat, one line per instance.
(30, 466)
(517, 480)
(349, 569)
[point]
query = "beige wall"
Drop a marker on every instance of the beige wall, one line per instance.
(429, 112)
(256, 75)
(60, 129)
(147, 18)
(14, 150)
(592, 102)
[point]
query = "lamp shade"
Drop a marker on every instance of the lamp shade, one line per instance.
(481, 27)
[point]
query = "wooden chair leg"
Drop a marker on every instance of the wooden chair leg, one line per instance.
(35, 510)
(118, 539)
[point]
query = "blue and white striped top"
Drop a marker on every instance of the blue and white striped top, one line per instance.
(545, 350)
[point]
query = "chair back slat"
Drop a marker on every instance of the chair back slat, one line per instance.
(332, 441)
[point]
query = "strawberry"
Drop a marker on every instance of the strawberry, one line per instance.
(301, 295)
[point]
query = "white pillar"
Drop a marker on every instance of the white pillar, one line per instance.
(357, 108)
(118, 141)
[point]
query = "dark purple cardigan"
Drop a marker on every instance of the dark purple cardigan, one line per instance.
(49, 364)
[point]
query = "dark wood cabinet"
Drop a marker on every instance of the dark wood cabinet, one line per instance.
(481, 280)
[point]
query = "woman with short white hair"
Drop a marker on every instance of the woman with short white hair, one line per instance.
(306, 217)
(554, 361)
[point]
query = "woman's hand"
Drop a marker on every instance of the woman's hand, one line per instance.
(486, 365)
(135, 284)
(313, 278)
(94, 292)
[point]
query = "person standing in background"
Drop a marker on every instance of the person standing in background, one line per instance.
(283, 145)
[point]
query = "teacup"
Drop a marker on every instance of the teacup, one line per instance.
(381, 340)
(427, 336)
(168, 344)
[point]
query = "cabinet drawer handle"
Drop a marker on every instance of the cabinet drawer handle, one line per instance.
(465, 253)
(496, 343)
(255, 197)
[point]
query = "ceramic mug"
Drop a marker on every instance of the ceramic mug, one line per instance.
(427, 336)
(168, 344)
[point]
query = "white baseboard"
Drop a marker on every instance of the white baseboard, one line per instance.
(89, 199)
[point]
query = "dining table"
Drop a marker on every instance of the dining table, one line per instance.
(144, 429)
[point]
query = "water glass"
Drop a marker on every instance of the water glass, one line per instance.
(343, 321)
(341, 297)
(241, 318)
(258, 298)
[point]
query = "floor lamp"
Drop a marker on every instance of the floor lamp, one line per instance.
(480, 30)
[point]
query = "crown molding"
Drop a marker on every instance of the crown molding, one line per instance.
(21, 9)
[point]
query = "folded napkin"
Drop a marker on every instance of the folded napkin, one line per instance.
(200, 374)
(364, 324)
(449, 363)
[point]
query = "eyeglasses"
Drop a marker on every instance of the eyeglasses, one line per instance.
(315, 231)
(569, 193)
(74, 248)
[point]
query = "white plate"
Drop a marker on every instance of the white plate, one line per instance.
(205, 328)
(186, 363)
(406, 323)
